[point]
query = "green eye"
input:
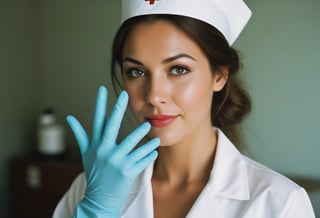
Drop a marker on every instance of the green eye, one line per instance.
(178, 70)
(135, 73)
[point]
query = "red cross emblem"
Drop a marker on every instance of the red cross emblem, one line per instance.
(151, 2)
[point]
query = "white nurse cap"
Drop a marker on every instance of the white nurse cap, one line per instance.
(228, 16)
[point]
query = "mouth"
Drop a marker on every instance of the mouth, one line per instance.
(161, 120)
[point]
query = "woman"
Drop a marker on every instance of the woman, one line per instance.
(178, 71)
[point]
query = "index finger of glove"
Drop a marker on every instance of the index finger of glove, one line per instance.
(79, 133)
(113, 124)
(144, 150)
(134, 138)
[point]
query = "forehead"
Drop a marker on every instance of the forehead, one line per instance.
(159, 37)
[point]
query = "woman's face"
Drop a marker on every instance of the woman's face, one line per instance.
(169, 81)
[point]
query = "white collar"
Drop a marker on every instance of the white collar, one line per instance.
(228, 179)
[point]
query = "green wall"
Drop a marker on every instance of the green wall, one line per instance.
(56, 53)
(17, 87)
(280, 49)
(282, 69)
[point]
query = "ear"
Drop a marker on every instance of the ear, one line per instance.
(220, 78)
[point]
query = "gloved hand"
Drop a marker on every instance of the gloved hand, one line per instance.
(110, 168)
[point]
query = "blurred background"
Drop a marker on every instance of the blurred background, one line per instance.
(56, 53)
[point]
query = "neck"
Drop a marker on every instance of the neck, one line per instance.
(189, 161)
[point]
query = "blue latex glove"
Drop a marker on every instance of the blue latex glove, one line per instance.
(110, 168)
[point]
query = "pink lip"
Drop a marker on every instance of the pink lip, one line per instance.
(161, 120)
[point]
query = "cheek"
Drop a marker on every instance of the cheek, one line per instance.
(195, 96)
(135, 98)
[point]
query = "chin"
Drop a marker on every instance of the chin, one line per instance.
(167, 137)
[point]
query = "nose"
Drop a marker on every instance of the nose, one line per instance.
(157, 91)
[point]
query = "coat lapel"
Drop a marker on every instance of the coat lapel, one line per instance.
(229, 176)
(228, 181)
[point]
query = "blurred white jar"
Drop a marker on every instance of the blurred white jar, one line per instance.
(51, 135)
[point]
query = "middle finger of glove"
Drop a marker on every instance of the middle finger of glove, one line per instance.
(113, 124)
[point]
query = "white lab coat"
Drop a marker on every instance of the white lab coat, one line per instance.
(238, 187)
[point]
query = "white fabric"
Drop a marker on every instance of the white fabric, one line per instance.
(228, 16)
(238, 187)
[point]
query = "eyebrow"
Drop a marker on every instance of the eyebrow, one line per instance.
(165, 61)
(173, 58)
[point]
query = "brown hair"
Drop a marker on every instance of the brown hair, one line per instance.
(232, 103)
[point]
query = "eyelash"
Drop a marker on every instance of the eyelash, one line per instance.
(130, 72)
(178, 68)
